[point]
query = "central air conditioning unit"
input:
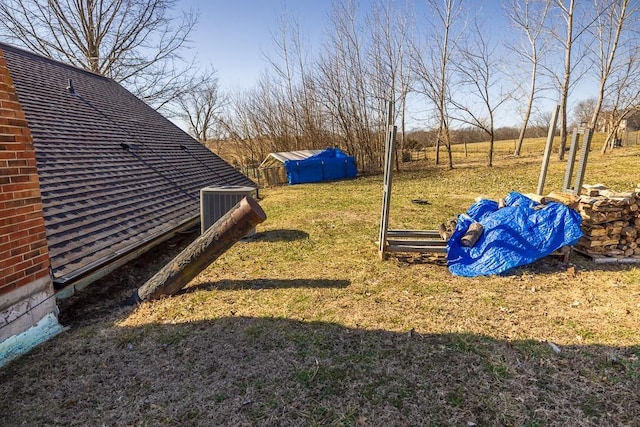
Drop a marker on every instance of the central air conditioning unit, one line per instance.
(215, 201)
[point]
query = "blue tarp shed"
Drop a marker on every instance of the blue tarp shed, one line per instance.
(329, 165)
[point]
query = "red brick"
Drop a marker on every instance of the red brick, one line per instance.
(37, 231)
(17, 162)
(41, 274)
(6, 271)
(15, 232)
(9, 171)
(14, 277)
(32, 191)
(12, 105)
(18, 251)
(7, 138)
(17, 121)
(12, 145)
(23, 266)
(25, 154)
(4, 249)
(11, 188)
(31, 162)
(13, 203)
(20, 178)
(18, 207)
(27, 225)
(31, 254)
(40, 243)
(37, 213)
(23, 205)
(42, 259)
(23, 281)
(34, 269)
(12, 260)
(7, 288)
(12, 218)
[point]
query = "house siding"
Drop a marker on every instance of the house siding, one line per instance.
(27, 307)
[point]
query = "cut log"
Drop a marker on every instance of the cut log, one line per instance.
(629, 232)
(472, 235)
(215, 241)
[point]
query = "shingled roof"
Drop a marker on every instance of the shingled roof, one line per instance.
(114, 173)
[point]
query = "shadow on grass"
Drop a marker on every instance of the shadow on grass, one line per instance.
(257, 284)
(270, 371)
(551, 264)
(280, 236)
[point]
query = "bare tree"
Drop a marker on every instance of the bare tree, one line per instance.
(433, 63)
(135, 42)
(584, 111)
(342, 72)
(569, 11)
(480, 93)
(241, 127)
(389, 60)
(293, 75)
(528, 16)
(573, 38)
(614, 19)
(201, 107)
(623, 99)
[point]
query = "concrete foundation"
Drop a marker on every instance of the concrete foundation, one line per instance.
(28, 317)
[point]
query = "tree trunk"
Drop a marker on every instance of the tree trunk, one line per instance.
(215, 241)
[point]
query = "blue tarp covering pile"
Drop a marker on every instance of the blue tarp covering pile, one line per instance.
(329, 165)
(517, 234)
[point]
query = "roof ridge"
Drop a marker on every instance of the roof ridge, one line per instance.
(24, 50)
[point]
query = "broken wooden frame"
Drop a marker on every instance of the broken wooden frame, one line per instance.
(416, 241)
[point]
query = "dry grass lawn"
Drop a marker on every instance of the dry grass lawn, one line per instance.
(304, 326)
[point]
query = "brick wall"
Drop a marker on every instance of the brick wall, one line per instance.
(23, 247)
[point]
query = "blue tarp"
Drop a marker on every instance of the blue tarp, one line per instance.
(517, 234)
(329, 165)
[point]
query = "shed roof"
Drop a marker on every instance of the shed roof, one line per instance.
(114, 173)
(283, 156)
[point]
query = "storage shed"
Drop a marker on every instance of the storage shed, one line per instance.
(306, 166)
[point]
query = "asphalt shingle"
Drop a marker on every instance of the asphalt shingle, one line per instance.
(114, 173)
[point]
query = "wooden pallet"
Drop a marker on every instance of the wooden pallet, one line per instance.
(563, 253)
(602, 259)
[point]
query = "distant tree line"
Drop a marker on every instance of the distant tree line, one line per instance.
(451, 73)
(446, 69)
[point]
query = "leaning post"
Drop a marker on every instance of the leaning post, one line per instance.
(547, 150)
(215, 241)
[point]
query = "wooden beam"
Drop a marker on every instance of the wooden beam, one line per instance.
(215, 241)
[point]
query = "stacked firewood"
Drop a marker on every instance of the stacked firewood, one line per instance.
(610, 222)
